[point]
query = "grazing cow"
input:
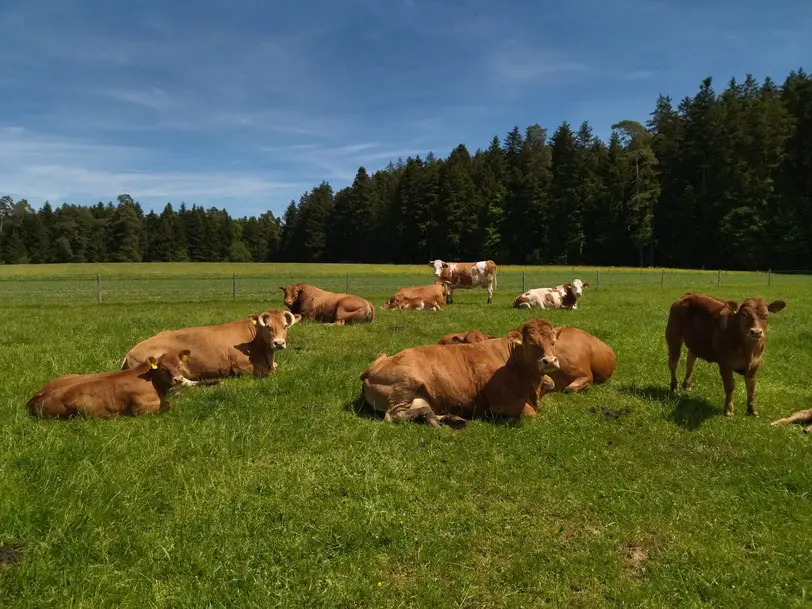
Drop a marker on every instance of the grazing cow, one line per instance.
(137, 391)
(801, 417)
(474, 336)
(466, 275)
(726, 333)
(231, 349)
(504, 376)
(583, 359)
(315, 304)
(561, 297)
(430, 297)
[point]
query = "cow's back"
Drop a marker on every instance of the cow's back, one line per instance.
(697, 321)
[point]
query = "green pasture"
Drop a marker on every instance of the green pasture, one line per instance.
(279, 493)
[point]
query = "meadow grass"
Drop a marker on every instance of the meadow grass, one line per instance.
(275, 492)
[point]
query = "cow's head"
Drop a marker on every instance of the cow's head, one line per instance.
(446, 287)
(536, 340)
(578, 287)
(751, 316)
(474, 336)
(272, 327)
(522, 301)
(291, 292)
(166, 369)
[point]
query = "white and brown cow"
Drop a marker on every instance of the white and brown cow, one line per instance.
(560, 297)
(466, 275)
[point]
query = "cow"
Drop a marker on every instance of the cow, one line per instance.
(231, 349)
(442, 383)
(465, 275)
(315, 304)
(726, 333)
(583, 359)
(428, 297)
(474, 336)
(801, 417)
(137, 391)
(560, 297)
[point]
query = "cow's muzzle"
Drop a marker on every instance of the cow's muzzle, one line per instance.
(279, 343)
(550, 364)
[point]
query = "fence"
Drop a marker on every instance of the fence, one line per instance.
(122, 288)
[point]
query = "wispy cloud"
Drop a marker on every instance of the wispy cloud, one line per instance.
(521, 64)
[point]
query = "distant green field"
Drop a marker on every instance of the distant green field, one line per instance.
(265, 493)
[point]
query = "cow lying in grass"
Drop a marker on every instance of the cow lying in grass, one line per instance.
(726, 333)
(315, 304)
(424, 297)
(560, 297)
(137, 391)
(231, 349)
(802, 418)
(583, 359)
(443, 383)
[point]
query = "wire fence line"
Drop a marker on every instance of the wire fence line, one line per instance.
(114, 288)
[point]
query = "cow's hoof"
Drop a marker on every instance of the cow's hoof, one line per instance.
(752, 413)
(728, 413)
(686, 386)
(454, 422)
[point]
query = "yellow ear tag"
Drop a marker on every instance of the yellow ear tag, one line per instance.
(154, 366)
(184, 357)
(254, 321)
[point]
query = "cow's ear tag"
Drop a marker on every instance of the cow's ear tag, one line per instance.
(184, 357)
(154, 366)
(254, 321)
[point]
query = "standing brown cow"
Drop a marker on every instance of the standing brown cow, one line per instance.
(503, 376)
(726, 333)
(315, 304)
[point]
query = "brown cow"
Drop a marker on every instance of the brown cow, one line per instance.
(137, 391)
(583, 358)
(429, 297)
(474, 336)
(801, 417)
(466, 275)
(721, 332)
(315, 304)
(504, 376)
(231, 349)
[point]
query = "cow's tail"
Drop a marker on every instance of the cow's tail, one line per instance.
(371, 312)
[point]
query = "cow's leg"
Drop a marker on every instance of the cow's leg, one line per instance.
(730, 385)
(490, 292)
(673, 362)
(750, 384)
(802, 416)
(528, 411)
(690, 360)
(579, 384)
(419, 408)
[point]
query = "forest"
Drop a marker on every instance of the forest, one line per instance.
(717, 180)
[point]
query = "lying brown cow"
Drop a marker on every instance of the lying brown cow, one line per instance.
(231, 349)
(138, 391)
(315, 304)
(474, 336)
(583, 359)
(465, 275)
(720, 332)
(504, 376)
(428, 297)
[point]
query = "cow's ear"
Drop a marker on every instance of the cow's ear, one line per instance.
(281, 288)
(448, 283)
(153, 363)
(457, 339)
(291, 318)
(445, 265)
(558, 332)
(585, 285)
(297, 317)
(732, 305)
(515, 337)
(431, 263)
(184, 355)
(253, 319)
(776, 305)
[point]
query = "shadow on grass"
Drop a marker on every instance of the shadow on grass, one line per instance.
(359, 407)
(686, 411)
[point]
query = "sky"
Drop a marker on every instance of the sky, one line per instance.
(248, 104)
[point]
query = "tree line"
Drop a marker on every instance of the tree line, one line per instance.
(719, 180)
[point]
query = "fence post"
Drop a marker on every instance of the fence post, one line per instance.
(662, 276)
(718, 278)
(769, 277)
(347, 284)
(234, 287)
(98, 288)
(523, 283)
(597, 279)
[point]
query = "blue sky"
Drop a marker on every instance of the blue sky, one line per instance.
(247, 104)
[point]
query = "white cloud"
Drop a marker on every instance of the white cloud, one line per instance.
(39, 167)
(519, 64)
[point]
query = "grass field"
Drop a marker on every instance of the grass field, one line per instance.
(261, 493)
